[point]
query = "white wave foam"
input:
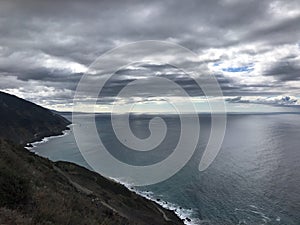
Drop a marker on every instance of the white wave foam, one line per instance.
(263, 216)
(181, 212)
(46, 139)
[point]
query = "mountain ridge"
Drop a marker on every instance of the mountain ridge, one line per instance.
(23, 121)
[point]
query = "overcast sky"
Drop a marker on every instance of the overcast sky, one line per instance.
(251, 47)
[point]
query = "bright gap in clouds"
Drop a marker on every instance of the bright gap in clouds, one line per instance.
(256, 105)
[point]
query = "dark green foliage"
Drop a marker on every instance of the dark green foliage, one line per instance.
(14, 189)
(43, 192)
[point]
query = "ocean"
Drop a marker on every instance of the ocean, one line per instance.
(255, 178)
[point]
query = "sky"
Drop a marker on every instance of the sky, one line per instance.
(251, 47)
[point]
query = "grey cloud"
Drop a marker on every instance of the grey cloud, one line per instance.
(237, 99)
(80, 31)
(277, 100)
(285, 71)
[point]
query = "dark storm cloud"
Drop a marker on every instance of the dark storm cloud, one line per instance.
(146, 72)
(41, 42)
(285, 31)
(285, 71)
(82, 30)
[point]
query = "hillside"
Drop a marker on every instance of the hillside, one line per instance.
(23, 121)
(37, 191)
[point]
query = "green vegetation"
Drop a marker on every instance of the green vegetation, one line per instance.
(14, 189)
(43, 192)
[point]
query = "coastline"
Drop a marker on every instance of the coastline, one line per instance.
(181, 213)
(31, 145)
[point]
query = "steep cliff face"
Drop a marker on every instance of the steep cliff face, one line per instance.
(22, 121)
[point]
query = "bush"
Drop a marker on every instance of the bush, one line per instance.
(14, 190)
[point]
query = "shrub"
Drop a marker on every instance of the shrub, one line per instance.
(14, 190)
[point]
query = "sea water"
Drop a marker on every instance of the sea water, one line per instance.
(255, 178)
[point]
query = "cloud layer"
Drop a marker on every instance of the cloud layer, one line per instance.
(252, 47)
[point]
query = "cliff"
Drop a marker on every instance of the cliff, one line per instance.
(23, 121)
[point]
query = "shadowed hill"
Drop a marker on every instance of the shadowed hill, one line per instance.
(23, 121)
(34, 190)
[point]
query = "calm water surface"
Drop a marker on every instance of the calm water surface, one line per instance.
(255, 179)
